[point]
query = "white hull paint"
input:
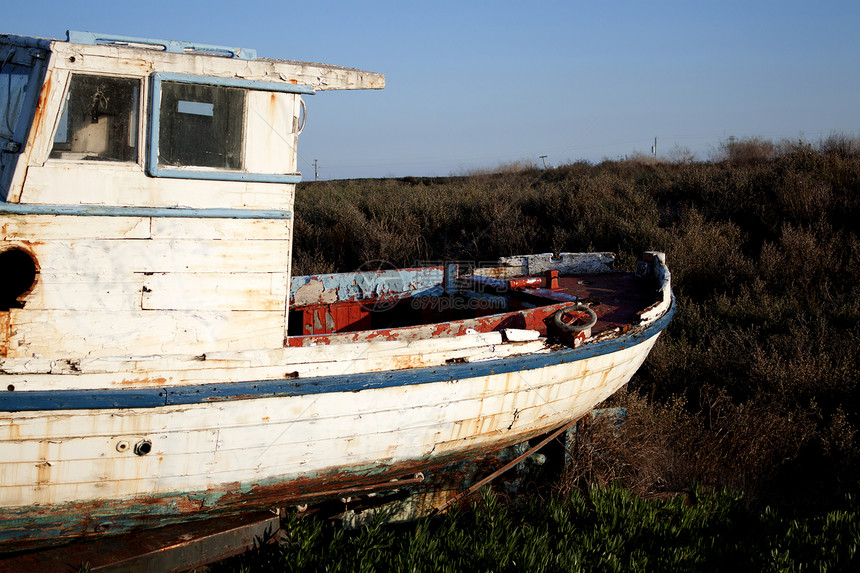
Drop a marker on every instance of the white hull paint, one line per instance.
(54, 457)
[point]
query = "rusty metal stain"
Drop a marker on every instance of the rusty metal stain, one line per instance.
(143, 381)
(42, 104)
(4, 335)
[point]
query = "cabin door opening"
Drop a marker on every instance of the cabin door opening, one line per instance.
(20, 74)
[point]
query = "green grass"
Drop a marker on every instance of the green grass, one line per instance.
(603, 529)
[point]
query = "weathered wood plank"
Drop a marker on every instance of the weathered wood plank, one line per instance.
(72, 334)
(54, 227)
(98, 183)
(221, 229)
(134, 61)
(84, 291)
(4, 335)
(247, 364)
(325, 408)
(272, 132)
(291, 439)
(215, 291)
(117, 260)
(84, 378)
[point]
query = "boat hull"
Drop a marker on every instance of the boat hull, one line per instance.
(75, 475)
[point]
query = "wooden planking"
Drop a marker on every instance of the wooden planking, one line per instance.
(198, 459)
(168, 291)
(84, 291)
(117, 259)
(272, 440)
(215, 291)
(4, 336)
(327, 409)
(73, 334)
(271, 126)
(145, 378)
(103, 183)
(250, 364)
(63, 227)
(221, 229)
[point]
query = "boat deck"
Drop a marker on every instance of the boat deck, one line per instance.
(615, 297)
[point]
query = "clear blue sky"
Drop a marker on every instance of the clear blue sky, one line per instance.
(472, 85)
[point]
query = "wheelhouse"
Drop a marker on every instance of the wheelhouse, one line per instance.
(147, 186)
(79, 109)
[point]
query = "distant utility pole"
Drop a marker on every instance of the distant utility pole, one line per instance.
(544, 160)
(654, 149)
(316, 171)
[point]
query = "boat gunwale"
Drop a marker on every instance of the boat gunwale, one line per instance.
(159, 397)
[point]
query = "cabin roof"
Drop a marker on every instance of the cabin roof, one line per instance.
(202, 59)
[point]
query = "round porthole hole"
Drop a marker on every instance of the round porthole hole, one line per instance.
(143, 447)
(18, 268)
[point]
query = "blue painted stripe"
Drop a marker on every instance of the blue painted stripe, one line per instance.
(172, 173)
(109, 211)
(19, 401)
(158, 77)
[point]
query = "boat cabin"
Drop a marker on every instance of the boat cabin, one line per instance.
(146, 188)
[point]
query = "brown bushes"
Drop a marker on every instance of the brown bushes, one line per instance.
(755, 383)
(667, 447)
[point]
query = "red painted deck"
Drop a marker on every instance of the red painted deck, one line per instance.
(616, 298)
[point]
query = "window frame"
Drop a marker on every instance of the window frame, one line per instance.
(191, 172)
(139, 125)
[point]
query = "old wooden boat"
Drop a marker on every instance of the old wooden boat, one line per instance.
(160, 363)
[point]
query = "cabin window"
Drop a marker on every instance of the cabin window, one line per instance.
(201, 126)
(99, 120)
(225, 129)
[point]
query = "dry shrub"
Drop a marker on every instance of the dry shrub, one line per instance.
(840, 145)
(521, 166)
(746, 150)
(756, 382)
(667, 447)
(706, 256)
(803, 197)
